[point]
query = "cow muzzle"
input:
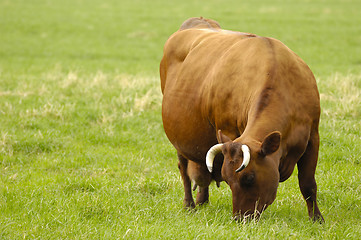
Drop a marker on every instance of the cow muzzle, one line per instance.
(253, 214)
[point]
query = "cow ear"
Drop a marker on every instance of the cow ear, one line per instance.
(271, 143)
(222, 138)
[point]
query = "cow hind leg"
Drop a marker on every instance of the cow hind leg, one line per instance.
(202, 195)
(202, 178)
(306, 177)
(188, 201)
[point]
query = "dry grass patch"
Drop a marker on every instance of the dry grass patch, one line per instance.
(341, 96)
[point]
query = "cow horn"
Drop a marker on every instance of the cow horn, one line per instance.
(246, 158)
(211, 154)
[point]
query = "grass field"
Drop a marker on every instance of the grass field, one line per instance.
(83, 154)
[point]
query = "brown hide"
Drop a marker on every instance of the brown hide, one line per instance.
(247, 86)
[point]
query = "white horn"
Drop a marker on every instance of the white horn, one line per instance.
(246, 158)
(211, 154)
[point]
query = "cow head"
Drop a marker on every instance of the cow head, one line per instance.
(250, 170)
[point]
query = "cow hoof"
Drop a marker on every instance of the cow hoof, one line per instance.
(318, 219)
(188, 204)
(200, 203)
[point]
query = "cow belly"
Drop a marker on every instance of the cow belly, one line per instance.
(186, 129)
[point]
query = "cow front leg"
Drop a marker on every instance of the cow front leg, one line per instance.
(188, 201)
(306, 178)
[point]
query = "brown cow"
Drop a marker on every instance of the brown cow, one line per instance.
(254, 97)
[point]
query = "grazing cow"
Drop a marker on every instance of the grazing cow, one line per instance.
(248, 97)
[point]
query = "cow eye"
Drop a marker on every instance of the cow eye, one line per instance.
(248, 179)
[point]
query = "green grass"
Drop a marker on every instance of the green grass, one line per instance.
(83, 154)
